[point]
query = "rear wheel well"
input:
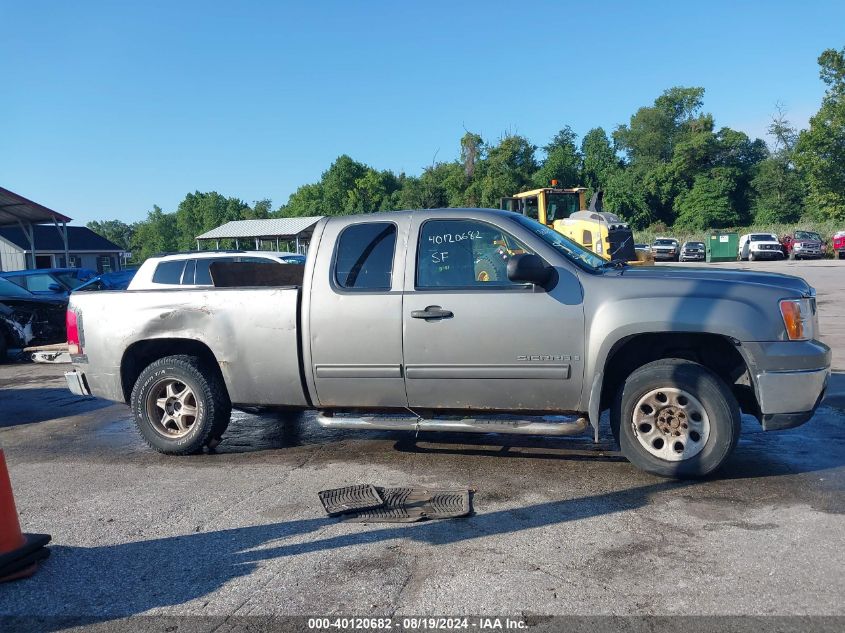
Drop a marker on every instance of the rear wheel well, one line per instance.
(717, 353)
(140, 355)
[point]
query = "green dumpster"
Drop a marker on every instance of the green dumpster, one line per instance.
(722, 247)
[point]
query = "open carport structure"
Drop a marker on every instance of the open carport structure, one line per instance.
(295, 230)
(20, 211)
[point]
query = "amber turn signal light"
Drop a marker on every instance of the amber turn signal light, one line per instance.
(792, 319)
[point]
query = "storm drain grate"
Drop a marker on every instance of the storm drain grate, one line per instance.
(350, 499)
(407, 505)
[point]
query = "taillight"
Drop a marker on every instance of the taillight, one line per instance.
(71, 323)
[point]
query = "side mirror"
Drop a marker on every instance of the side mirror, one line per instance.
(530, 268)
(55, 288)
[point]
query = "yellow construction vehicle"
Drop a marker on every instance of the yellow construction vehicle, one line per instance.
(565, 211)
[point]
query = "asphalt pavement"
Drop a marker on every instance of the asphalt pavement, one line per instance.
(561, 526)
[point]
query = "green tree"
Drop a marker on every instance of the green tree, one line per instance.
(778, 188)
(156, 234)
(599, 160)
(653, 131)
(709, 203)
(260, 210)
(200, 212)
(307, 200)
(625, 195)
(114, 230)
(562, 162)
(820, 151)
(508, 169)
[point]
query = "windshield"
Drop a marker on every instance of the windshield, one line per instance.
(762, 237)
(571, 250)
(807, 235)
(9, 289)
(665, 243)
(561, 205)
(695, 244)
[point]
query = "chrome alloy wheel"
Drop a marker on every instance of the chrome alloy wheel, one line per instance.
(172, 408)
(671, 424)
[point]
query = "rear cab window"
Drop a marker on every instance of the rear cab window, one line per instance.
(169, 273)
(364, 256)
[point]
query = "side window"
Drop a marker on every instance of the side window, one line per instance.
(364, 258)
(169, 272)
(464, 254)
(587, 239)
(40, 283)
(531, 208)
(188, 275)
(202, 277)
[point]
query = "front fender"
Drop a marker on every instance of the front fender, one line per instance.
(616, 320)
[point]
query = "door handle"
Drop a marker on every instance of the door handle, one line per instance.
(432, 313)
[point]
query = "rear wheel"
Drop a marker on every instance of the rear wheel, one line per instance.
(180, 405)
(675, 418)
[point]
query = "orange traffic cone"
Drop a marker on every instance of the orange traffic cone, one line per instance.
(19, 553)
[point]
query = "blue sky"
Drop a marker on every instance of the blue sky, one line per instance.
(111, 107)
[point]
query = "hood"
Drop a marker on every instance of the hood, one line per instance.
(733, 276)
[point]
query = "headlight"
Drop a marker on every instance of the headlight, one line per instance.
(798, 318)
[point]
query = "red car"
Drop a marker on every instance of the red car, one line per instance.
(803, 245)
(839, 244)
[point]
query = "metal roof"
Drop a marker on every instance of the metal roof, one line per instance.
(277, 227)
(15, 208)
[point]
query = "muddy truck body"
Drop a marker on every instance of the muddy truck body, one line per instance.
(464, 320)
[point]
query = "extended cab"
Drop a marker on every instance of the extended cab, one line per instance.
(447, 319)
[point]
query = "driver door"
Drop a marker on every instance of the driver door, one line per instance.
(472, 339)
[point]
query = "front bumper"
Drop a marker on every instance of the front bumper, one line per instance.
(768, 254)
(693, 256)
(796, 252)
(790, 378)
(76, 383)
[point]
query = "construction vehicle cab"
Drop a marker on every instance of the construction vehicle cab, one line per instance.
(565, 211)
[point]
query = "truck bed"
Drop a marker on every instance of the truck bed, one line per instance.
(252, 334)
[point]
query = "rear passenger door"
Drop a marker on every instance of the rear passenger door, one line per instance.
(355, 313)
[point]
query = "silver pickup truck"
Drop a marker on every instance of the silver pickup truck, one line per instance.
(465, 320)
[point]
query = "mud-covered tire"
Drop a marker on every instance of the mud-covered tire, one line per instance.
(213, 408)
(696, 383)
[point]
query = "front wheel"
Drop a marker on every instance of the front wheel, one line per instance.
(180, 405)
(675, 418)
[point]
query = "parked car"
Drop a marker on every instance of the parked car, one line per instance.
(839, 244)
(27, 319)
(390, 326)
(759, 246)
(190, 270)
(50, 281)
(693, 252)
(666, 249)
(803, 245)
(118, 280)
(645, 248)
